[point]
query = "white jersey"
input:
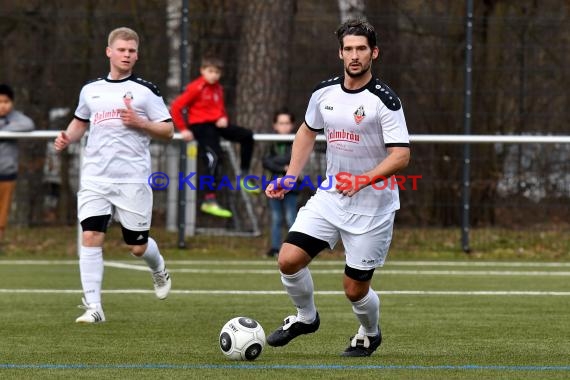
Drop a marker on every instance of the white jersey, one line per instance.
(359, 126)
(115, 153)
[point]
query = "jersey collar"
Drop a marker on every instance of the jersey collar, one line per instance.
(119, 80)
(358, 89)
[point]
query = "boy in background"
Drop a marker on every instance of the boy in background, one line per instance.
(206, 122)
(277, 162)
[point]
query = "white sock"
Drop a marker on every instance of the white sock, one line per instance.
(152, 256)
(91, 272)
(367, 311)
(299, 286)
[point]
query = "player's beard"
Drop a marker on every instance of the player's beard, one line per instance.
(359, 73)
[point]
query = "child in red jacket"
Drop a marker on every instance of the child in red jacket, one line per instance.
(206, 122)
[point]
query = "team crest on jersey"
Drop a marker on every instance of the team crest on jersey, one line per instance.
(128, 95)
(359, 115)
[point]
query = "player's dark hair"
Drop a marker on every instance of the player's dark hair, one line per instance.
(357, 27)
(212, 61)
(6, 90)
(283, 111)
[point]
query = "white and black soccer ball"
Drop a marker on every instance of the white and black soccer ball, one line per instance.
(242, 338)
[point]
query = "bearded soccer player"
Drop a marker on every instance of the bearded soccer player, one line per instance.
(367, 137)
(123, 112)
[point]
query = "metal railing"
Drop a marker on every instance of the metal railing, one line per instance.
(188, 225)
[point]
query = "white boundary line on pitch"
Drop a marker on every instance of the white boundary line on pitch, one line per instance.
(381, 271)
(144, 268)
(282, 292)
(120, 265)
(317, 262)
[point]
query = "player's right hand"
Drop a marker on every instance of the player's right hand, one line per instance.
(61, 142)
(279, 187)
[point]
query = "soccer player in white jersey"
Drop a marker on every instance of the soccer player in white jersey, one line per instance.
(367, 139)
(123, 112)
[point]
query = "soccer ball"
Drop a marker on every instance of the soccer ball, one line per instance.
(242, 338)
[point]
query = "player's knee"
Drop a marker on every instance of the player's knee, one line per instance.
(92, 238)
(356, 283)
(291, 259)
(287, 264)
(355, 292)
(138, 250)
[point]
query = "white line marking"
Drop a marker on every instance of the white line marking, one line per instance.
(39, 262)
(380, 271)
(143, 268)
(388, 263)
(317, 262)
(121, 265)
(281, 292)
(479, 264)
(474, 273)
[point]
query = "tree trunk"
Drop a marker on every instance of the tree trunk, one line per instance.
(351, 9)
(264, 62)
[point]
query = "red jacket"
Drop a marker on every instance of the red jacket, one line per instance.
(204, 102)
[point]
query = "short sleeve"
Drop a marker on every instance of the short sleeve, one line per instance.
(82, 112)
(394, 129)
(313, 116)
(156, 109)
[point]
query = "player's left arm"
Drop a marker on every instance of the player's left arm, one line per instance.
(397, 159)
(396, 140)
(163, 130)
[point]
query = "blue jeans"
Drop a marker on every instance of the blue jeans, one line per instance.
(279, 208)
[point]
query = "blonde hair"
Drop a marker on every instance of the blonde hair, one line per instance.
(123, 33)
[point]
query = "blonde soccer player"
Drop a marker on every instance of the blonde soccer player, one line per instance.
(122, 112)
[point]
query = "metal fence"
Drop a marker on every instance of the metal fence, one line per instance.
(523, 196)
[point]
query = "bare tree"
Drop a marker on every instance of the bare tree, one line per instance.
(174, 14)
(264, 61)
(350, 9)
